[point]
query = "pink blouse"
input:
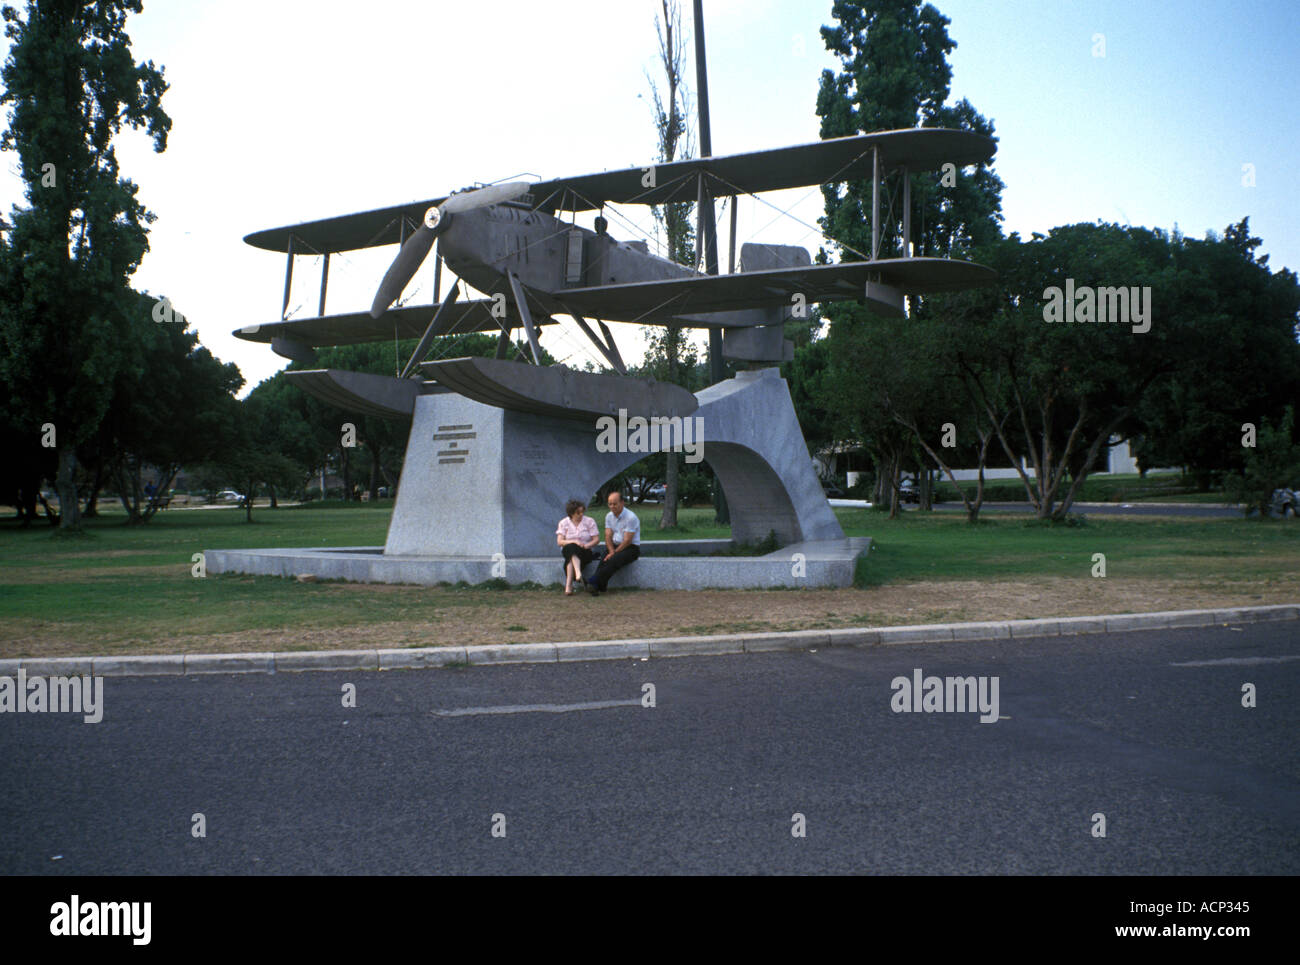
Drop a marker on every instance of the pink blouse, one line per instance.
(584, 532)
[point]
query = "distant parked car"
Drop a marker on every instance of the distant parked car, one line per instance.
(229, 496)
(1285, 502)
(656, 493)
(908, 491)
(832, 491)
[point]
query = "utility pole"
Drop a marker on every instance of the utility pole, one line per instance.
(708, 227)
(708, 233)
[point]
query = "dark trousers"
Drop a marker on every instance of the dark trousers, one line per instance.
(615, 563)
(583, 554)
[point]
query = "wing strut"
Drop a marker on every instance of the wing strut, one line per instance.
(610, 350)
(875, 203)
(521, 302)
(288, 279)
(324, 280)
(422, 349)
(437, 270)
(907, 213)
(618, 359)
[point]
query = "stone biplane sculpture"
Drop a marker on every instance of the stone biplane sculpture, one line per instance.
(506, 443)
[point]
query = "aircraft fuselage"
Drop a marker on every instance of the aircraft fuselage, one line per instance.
(547, 254)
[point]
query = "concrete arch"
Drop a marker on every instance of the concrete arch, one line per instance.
(480, 480)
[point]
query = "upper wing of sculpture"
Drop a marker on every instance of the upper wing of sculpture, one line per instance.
(802, 165)
(821, 162)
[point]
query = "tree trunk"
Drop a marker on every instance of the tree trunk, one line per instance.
(973, 509)
(92, 501)
(878, 491)
(28, 494)
(893, 464)
(50, 514)
(671, 475)
(374, 473)
(128, 489)
(66, 484)
(159, 493)
(137, 495)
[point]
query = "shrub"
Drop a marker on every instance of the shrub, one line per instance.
(863, 488)
(694, 488)
(1273, 463)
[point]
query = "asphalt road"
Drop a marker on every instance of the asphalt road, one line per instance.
(708, 780)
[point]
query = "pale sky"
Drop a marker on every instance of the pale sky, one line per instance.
(285, 112)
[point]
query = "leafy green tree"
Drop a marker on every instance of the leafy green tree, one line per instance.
(961, 351)
(380, 442)
(26, 463)
(1238, 362)
(882, 384)
(71, 82)
(910, 375)
(806, 374)
(1055, 395)
(1058, 393)
(283, 419)
(170, 405)
(248, 459)
(1271, 464)
(894, 74)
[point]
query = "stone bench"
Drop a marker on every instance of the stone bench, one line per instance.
(662, 566)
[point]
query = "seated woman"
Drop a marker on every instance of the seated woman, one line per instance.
(576, 535)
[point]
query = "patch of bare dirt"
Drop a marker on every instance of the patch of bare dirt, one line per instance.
(53, 574)
(527, 617)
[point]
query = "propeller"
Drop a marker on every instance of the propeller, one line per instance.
(417, 247)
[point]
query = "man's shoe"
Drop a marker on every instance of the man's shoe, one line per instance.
(593, 589)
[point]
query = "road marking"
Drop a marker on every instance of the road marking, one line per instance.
(537, 708)
(1236, 661)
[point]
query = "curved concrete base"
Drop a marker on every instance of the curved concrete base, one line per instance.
(662, 566)
(754, 444)
(483, 488)
(481, 480)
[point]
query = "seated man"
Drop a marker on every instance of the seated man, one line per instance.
(622, 542)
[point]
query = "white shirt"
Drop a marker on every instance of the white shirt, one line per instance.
(624, 523)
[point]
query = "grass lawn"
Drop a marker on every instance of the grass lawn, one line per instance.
(126, 589)
(1108, 488)
(924, 546)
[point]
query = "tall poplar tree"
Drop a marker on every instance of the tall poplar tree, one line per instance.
(894, 75)
(71, 82)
